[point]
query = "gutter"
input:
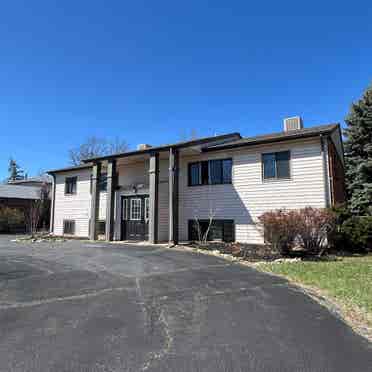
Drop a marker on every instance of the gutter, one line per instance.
(326, 177)
(53, 207)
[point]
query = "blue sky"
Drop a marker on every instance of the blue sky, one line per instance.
(154, 71)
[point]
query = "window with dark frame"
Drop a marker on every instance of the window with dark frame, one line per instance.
(103, 182)
(210, 172)
(101, 227)
(220, 230)
(70, 185)
(276, 165)
(68, 227)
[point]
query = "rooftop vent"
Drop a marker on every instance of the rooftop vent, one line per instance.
(293, 123)
(143, 146)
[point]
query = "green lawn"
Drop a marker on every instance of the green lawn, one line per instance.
(348, 281)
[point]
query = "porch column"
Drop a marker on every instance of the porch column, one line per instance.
(154, 197)
(94, 208)
(110, 205)
(173, 196)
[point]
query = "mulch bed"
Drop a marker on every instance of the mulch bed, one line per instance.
(249, 252)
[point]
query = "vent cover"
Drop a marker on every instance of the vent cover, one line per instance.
(143, 146)
(293, 123)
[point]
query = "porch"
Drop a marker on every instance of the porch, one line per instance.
(141, 198)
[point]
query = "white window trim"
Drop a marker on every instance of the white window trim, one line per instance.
(131, 209)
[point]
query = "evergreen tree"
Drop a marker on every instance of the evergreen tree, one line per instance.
(358, 155)
(15, 171)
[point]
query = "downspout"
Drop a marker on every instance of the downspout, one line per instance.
(326, 177)
(52, 209)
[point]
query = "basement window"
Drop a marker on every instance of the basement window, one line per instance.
(220, 230)
(68, 227)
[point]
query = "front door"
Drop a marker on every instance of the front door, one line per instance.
(135, 217)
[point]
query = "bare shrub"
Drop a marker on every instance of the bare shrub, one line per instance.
(307, 228)
(280, 229)
(314, 226)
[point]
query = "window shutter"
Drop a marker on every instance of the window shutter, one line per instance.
(204, 173)
(228, 231)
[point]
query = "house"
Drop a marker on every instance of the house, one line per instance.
(157, 193)
(39, 181)
(19, 197)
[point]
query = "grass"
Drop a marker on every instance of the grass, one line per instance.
(347, 281)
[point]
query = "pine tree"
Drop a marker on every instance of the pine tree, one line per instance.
(15, 171)
(358, 155)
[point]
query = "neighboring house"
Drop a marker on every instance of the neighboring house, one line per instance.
(18, 197)
(33, 181)
(156, 193)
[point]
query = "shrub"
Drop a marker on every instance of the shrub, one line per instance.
(356, 234)
(353, 233)
(279, 229)
(306, 228)
(10, 218)
(313, 228)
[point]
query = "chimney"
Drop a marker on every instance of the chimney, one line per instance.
(143, 146)
(293, 123)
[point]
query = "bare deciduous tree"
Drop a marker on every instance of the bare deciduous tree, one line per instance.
(95, 146)
(203, 236)
(37, 209)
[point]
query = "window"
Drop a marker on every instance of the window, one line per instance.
(135, 209)
(70, 185)
(194, 174)
(222, 230)
(101, 227)
(125, 209)
(102, 185)
(210, 172)
(276, 165)
(147, 209)
(69, 227)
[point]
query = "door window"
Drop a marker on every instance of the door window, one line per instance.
(147, 209)
(135, 209)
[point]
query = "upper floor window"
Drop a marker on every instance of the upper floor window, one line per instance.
(103, 182)
(275, 165)
(70, 185)
(210, 172)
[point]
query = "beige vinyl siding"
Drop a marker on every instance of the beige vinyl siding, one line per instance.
(249, 195)
(163, 214)
(73, 207)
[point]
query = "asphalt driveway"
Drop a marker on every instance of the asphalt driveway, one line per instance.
(80, 306)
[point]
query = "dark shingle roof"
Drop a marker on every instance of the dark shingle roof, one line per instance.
(277, 137)
(72, 168)
(199, 141)
(40, 179)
